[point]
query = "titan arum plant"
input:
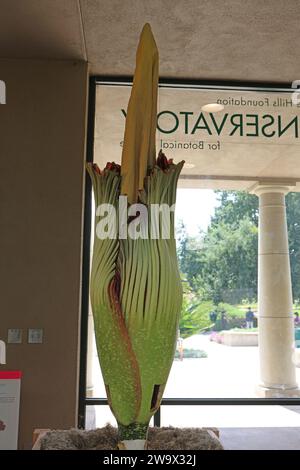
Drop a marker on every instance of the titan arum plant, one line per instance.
(136, 292)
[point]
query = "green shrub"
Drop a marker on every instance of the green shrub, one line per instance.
(232, 311)
(194, 315)
(192, 353)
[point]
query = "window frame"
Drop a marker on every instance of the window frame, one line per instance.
(95, 81)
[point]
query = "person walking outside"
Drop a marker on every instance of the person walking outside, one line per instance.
(213, 318)
(249, 318)
(224, 320)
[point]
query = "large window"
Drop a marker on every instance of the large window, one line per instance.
(239, 256)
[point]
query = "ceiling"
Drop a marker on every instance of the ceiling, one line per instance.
(199, 39)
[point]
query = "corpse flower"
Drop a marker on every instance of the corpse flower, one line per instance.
(135, 289)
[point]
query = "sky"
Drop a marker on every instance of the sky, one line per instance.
(195, 208)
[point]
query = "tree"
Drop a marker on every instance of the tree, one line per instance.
(221, 264)
(191, 257)
(235, 206)
(231, 261)
(293, 223)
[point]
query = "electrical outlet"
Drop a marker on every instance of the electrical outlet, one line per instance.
(35, 335)
(14, 336)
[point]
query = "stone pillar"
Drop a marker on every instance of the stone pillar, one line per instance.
(275, 304)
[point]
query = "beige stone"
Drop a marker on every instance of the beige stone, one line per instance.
(274, 289)
(296, 357)
(275, 303)
(240, 338)
(276, 349)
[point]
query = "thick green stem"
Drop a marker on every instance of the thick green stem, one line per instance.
(132, 431)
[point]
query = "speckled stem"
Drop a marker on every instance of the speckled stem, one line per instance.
(132, 431)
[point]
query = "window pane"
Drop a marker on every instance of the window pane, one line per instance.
(217, 214)
(98, 416)
(224, 416)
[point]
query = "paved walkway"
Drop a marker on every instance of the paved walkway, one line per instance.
(227, 372)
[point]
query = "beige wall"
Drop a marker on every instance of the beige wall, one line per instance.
(42, 146)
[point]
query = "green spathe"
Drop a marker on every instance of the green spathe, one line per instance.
(136, 292)
(136, 299)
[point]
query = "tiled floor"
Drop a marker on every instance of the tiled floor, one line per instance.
(241, 427)
(260, 438)
(233, 416)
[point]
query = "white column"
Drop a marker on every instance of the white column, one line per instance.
(275, 304)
